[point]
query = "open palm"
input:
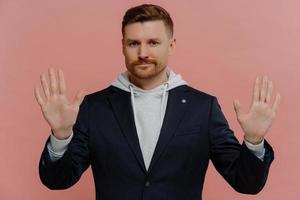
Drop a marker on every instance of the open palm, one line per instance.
(58, 111)
(256, 122)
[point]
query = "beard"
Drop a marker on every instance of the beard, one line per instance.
(145, 68)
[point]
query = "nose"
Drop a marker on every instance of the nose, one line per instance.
(143, 52)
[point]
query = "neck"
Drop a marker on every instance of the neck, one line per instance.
(149, 83)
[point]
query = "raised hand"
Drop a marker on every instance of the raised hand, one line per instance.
(58, 111)
(256, 122)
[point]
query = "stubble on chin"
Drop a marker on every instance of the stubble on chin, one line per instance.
(145, 73)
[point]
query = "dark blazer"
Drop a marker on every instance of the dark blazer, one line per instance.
(194, 130)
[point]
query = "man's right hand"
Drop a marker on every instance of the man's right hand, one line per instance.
(58, 111)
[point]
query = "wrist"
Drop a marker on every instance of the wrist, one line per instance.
(253, 140)
(62, 134)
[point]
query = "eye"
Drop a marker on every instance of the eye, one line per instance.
(153, 43)
(133, 44)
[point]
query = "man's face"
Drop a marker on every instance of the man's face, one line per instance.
(146, 47)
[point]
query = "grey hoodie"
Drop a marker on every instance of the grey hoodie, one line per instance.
(149, 108)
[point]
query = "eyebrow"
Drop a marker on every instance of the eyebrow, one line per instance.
(134, 40)
(130, 40)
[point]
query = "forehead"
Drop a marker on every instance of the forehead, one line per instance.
(145, 30)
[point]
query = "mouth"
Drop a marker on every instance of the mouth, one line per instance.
(144, 64)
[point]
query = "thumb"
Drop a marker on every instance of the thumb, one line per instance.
(79, 98)
(237, 107)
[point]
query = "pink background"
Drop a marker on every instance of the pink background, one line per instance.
(221, 47)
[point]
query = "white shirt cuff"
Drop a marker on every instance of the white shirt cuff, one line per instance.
(57, 147)
(257, 149)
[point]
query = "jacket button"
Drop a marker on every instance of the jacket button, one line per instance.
(147, 184)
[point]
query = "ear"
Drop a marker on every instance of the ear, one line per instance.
(172, 45)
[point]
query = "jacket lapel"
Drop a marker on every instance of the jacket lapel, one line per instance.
(176, 108)
(121, 104)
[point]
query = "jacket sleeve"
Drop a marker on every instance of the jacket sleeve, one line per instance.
(67, 170)
(235, 162)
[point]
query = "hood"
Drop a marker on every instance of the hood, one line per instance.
(174, 80)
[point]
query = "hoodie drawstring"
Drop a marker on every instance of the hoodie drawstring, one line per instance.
(163, 103)
(132, 101)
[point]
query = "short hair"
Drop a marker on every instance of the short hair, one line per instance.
(147, 12)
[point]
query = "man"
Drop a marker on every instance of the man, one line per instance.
(149, 135)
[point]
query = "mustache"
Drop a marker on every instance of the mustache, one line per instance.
(144, 61)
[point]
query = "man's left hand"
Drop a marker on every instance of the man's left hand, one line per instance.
(256, 122)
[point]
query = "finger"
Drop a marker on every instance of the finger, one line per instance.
(38, 97)
(78, 98)
(263, 90)
(269, 92)
(256, 89)
(45, 86)
(276, 103)
(61, 81)
(237, 107)
(53, 82)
